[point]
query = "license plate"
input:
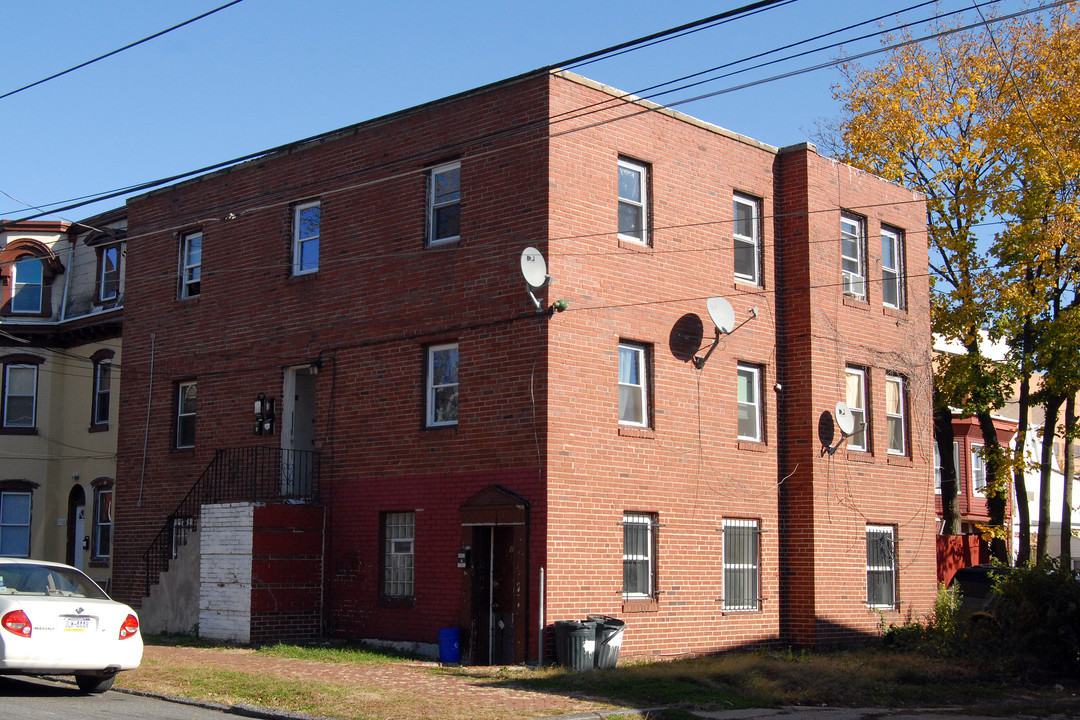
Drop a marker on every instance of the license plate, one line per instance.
(76, 624)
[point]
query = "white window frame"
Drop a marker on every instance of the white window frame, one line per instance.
(639, 205)
(855, 397)
(301, 242)
(191, 267)
(184, 415)
(895, 417)
(9, 395)
(892, 276)
(978, 469)
(749, 377)
(753, 240)
(938, 465)
(10, 524)
(875, 568)
(853, 265)
(631, 523)
(634, 386)
(437, 204)
(437, 386)
(19, 286)
(102, 390)
(739, 574)
(103, 523)
(399, 555)
(109, 280)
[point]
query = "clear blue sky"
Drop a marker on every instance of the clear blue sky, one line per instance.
(267, 72)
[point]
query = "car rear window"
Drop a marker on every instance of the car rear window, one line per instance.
(43, 580)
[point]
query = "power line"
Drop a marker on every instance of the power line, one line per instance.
(119, 50)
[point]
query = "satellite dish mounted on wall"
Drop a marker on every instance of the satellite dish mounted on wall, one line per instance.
(723, 317)
(534, 270)
(846, 422)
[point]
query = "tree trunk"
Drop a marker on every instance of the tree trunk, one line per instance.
(943, 434)
(1067, 491)
(1050, 407)
(1023, 510)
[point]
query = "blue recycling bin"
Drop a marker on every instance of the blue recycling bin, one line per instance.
(450, 645)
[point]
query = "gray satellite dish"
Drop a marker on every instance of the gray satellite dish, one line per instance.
(844, 419)
(722, 314)
(533, 267)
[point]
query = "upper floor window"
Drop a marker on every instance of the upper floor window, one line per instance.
(442, 385)
(742, 576)
(880, 566)
(892, 268)
(20, 395)
(185, 414)
(305, 246)
(27, 285)
(444, 203)
(633, 385)
(938, 464)
(102, 387)
(894, 415)
(749, 401)
(191, 263)
(399, 533)
(855, 397)
(978, 468)
(853, 255)
(14, 524)
(747, 242)
(109, 259)
(102, 537)
(633, 201)
(639, 555)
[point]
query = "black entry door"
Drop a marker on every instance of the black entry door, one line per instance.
(493, 594)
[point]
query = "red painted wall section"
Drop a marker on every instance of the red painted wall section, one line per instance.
(286, 573)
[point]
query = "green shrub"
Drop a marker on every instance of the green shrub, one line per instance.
(1037, 610)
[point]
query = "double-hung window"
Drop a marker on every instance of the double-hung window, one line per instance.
(639, 555)
(894, 415)
(892, 268)
(27, 285)
(399, 567)
(442, 385)
(747, 242)
(855, 397)
(742, 572)
(185, 414)
(444, 203)
(102, 390)
(20, 395)
(880, 566)
(306, 228)
(191, 264)
(102, 523)
(109, 259)
(749, 402)
(978, 468)
(633, 385)
(853, 255)
(15, 524)
(938, 464)
(633, 201)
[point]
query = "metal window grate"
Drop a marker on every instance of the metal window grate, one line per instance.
(742, 577)
(639, 544)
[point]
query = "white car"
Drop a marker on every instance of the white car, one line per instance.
(54, 620)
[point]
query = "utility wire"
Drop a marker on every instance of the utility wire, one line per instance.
(119, 50)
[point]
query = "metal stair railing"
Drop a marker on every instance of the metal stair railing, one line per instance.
(248, 474)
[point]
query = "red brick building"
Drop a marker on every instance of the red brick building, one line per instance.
(490, 463)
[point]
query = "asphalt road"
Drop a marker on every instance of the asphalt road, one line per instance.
(24, 698)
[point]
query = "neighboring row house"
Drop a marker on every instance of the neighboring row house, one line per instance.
(356, 405)
(61, 310)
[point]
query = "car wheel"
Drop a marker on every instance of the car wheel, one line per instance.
(94, 683)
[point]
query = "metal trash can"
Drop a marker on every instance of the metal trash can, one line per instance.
(575, 644)
(609, 636)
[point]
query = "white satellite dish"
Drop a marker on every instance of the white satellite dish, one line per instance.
(722, 314)
(533, 267)
(844, 418)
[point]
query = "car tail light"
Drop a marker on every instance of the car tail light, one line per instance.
(130, 627)
(17, 622)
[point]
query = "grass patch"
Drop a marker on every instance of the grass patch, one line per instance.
(360, 654)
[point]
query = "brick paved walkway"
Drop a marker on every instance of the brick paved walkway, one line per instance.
(403, 691)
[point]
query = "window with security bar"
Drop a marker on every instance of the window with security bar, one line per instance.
(742, 574)
(639, 555)
(399, 565)
(880, 566)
